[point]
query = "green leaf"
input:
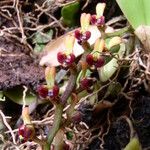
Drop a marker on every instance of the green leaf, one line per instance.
(38, 48)
(2, 98)
(70, 13)
(69, 135)
(16, 95)
(108, 70)
(113, 89)
(43, 38)
(134, 144)
(136, 11)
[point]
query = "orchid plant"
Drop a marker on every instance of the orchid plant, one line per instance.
(99, 56)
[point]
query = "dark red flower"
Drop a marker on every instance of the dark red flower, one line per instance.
(42, 91)
(97, 21)
(99, 62)
(64, 59)
(25, 133)
(61, 57)
(86, 83)
(90, 59)
(77, 34)
(82, 37)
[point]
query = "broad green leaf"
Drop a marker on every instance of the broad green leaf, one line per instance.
(16, 95)
(108, 70)
(70, 13)
(134, 144)
(136, 11)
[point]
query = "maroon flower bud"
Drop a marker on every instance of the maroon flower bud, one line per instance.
(99, 62)
(90, 59)
(42, 91)
(61, 57)
(26, 132)
(54, 92)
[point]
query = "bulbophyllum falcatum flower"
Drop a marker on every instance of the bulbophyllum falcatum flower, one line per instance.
(67, 58)
(86, 83)
(51, 90)
(95, 58)
(83, 34)
(26, 131)
(99, 19)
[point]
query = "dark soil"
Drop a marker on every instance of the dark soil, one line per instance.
(17, 66)
(119, 133)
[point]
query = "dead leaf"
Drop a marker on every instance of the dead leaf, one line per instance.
(143, 33)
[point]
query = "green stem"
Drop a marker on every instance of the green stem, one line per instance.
(55, 127)
(119, 32)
